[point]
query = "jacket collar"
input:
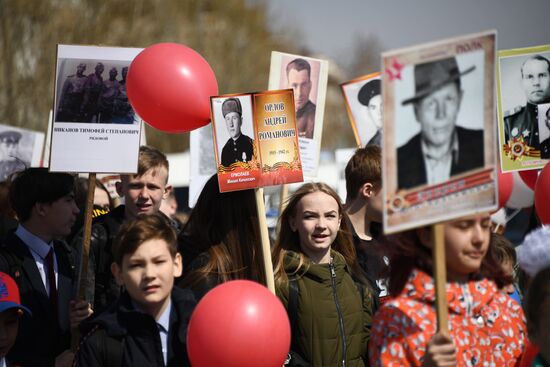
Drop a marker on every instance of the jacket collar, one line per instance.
(462, 298)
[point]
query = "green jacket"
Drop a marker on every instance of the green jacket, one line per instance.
(321, 310)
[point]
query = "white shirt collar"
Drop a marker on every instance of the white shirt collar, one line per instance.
(35, 243)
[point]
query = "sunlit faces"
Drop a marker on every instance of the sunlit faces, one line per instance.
(59, 216)
(300, 82)
(317, 220)
(148, 275)
(437, 114)
(144, 194)
(375, 110)
(9, 324)
(536, 81)
(466, 244)
(233, 122)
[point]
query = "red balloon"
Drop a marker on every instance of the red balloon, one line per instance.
(505, 186)
(542, 195)
(169, 86)
(239, 324)
(529, 177)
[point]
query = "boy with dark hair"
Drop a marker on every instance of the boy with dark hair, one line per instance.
(42, 265)
(147, 325)
(143, 194)
(364, 210)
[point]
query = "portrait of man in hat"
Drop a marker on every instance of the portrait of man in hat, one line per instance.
(72, 95)
(370, 97)
(239, 147)
(441, 149)
(298, 73)
(9, 145)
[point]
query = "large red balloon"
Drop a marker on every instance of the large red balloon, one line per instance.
(542, 195)
(505, 186)
(529, 177)
(169, 86)
(239, 324)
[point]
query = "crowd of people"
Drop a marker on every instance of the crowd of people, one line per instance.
(354, 296)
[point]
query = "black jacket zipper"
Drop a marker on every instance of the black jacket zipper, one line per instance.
(339, 311)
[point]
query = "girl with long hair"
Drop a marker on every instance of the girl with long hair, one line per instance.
(486, 327)
(319, 281)
(221, 240)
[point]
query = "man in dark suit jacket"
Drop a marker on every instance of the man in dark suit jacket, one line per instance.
(441, 149)
(42, 266)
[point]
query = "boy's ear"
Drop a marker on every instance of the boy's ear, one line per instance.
(117, 273)
(367, 190)
(167, 191)
(178, 268)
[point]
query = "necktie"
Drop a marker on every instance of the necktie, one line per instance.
(51, 281)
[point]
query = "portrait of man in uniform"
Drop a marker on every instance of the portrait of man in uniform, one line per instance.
(522, 121)
(545, 131)
(239, 147)
(298, 73)
(9, 145)
(441, 149)
(370, 97)
(72, 95)
(92, 91)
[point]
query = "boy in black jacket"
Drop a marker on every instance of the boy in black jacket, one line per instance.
(147, 325)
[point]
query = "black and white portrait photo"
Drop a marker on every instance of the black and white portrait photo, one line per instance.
(440, 123)
(544, 130)
(93, 91)
(364, 104)
(524, 76)
(233, 122)
(19, 149)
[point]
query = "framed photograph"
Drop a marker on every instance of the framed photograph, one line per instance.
(308, 78)
(255, 140)
(92, 117)
(523, 86)
(439, 148)
(19, 149)
(363, 98)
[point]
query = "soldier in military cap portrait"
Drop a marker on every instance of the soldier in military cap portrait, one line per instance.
(369, 96)
(72, 95)
(441, 149)
(239, 147)
(92, 91)
(9, 144)
(522, 120)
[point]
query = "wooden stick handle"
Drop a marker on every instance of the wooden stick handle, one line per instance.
(266, 248)
(284, 197)
(440, 277)
(83, 275)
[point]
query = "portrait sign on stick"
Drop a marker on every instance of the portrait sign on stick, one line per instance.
(95, 129)
(439, 148)
(19, 149)
(363, 97)
(255, 140)
(308, 78)
(523, 117)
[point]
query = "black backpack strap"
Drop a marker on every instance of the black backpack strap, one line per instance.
(293, 293)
